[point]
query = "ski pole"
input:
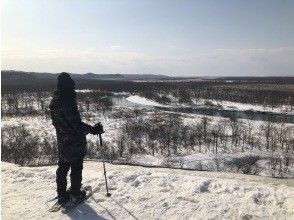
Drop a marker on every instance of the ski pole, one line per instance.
(102, 150)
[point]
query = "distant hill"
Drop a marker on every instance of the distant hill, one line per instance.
(259, 79)
(15, 75)
(146, 77)
(21, 75)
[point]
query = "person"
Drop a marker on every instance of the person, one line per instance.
(71, 138)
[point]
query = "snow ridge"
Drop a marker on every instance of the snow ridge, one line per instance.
(148, 193)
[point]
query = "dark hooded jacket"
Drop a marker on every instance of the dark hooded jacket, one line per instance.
(71, 131)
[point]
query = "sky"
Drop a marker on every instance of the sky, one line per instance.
(172, 37)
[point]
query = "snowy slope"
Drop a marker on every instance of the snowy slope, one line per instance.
(149, 193)
(144, 101)
(227, 105)
(254, 107)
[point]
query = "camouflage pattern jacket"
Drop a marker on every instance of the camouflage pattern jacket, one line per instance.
(70, 130)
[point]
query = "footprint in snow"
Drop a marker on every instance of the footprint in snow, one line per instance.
(130, 178)
(203, 187)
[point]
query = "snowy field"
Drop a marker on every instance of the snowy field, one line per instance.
(149, 193)
(209, 161)
(226, 105)
(245, 107)
(212, 162)
(42, 126)
(144, 101)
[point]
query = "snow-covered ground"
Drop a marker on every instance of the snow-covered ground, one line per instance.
(222, 161)
(227, 105)
(246, 107)
(42, 126)
(149, 193)
(84, 90)
(144, 101)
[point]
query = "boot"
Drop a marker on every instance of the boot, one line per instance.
(78, 196)
(62, 199)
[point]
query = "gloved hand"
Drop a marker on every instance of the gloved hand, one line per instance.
(97, 129)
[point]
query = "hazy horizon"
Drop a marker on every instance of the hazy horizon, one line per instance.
(174, 38)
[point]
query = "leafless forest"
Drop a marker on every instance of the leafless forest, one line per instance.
(154, 131)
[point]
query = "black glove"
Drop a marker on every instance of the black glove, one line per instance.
(97, 129)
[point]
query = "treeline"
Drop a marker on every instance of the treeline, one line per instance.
(261, 79)
(20, 146)
(252, 92)
(167, 134)
(260, 96)
(37, 103)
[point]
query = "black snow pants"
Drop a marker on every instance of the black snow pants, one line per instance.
(75, 176)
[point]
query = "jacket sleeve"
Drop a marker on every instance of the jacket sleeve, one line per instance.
(73, 118)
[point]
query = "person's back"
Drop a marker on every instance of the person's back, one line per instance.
(70, 131)
(71, 138)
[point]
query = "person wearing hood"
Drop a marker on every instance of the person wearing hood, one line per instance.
(71, 138)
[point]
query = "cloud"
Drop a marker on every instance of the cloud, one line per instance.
(85, 60)
(233, 62)
(117, 47)
(273, 61)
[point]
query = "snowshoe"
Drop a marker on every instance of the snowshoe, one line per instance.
(61, 201)
(77, 199)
